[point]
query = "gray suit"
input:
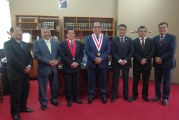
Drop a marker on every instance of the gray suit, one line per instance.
(45, 71)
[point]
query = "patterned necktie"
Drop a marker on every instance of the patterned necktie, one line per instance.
(161, 39)
(72, 44)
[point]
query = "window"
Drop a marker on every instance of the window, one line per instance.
(5, 21)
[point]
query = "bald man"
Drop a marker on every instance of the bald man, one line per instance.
(19, 63)
(97, 48)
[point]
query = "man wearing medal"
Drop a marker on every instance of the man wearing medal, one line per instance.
(72, 54)
(97, 48)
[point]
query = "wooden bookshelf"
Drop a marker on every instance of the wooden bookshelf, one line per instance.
(33, 23)
(83, 26)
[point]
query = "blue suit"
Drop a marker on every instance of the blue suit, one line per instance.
(163, 71)
(94, 69)
(45, 71)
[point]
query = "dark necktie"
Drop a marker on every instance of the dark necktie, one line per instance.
(20, 44)
(142, 43)
(72, 44)
(161, 39)
(97, 37)
(121, 41)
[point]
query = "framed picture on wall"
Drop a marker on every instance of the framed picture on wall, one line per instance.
(62, 3)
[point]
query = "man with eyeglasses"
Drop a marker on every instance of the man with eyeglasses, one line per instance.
(19, 63)
(97, 48)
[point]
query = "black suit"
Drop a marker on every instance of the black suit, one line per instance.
(124, 52)
(71, 75)
(142, 53)
(17, 59)
(166, 51)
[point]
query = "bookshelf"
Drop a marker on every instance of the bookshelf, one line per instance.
(83, 26)
(33, 23)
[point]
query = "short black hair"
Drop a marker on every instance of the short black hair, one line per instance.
(142, 27)
(122, 25)
(163, 23)
(11, 29)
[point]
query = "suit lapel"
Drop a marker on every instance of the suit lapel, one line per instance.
(45, 45)
(68, 49)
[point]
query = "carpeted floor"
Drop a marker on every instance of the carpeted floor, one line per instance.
(121, 110)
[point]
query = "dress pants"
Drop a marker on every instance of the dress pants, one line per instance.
(102, 77)
(54, 87)
(19, 92)
(165, 75)
(115, 81)
(71, 85)
(136, 78)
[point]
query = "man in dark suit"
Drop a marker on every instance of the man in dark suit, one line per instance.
(122, 51)
(72, 54)
(143, 53)
(46, 51)
(164, 62)
(97, 48)
(19, 63)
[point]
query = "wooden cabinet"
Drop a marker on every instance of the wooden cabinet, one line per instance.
(32, 24)
(83, 26)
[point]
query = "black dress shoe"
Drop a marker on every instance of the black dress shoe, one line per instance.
(128, 99)
(155, 98)
(78, 101)
(43, 107)
(56, 103)
(69, 103)
(104, 100)
(146, 99)
(165, 102)
(16, 117)
(113, 99)
(90, 100)
(27, 110)
(134, 98)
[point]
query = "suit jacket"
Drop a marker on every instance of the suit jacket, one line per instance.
(91, 52)
(17, 58)
(140, 53)
(125, 52)
(67, 57)
(166, 51)
(43, 56)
